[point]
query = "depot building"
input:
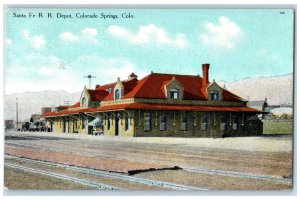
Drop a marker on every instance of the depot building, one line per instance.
(159, 105)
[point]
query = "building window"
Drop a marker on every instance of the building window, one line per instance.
(235, 124)
(117, 94)
(223, 122)
(184, 121)
(174, 94)
(83, 121)
(127, 122)
(214, 95)
(83, 101)
(163, 122)
(204, 124)
(109, 121)
(147, 121)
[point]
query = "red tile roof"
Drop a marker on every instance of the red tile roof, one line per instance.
(228, 96)
(144, 106)
(152, 86)
(63, 106)
(67, 112)
(75, 105)
(49, 114)
(129, 85)
(98, 95)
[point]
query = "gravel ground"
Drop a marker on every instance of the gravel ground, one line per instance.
(83, 161)
(15, 179)
(116, 153)
(127, 185)
(283, 143)
(214, 182)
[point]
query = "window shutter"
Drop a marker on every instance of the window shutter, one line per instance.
(204, 126)
(222, 126)
(235, 126)
(162, 126)
(146, 126)
(183, 126)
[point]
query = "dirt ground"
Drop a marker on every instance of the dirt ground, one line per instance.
(262, 156)
(19, 180)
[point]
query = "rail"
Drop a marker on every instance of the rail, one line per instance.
(165, 184)
(64, 177)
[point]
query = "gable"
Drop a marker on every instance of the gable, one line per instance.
(84, 98)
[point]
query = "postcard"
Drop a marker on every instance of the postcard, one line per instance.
(156, 99)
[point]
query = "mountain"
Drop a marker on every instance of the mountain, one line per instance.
(277, 89)
(31, 102)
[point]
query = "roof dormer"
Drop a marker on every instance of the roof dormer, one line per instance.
(118, 90)
(214, 92)
(84, 98)
(174, 89)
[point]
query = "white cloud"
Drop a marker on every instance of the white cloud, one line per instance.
(69, 37)
(37, 72)
(88, 35)
(148, 34)
(8, 41)
(107, 69)
(36, 42)
(25, 34)
(226, 34)
(89, 32)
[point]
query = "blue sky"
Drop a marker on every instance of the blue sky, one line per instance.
(54, 53)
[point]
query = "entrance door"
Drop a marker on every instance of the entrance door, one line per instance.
(118, 124)
(64, 125)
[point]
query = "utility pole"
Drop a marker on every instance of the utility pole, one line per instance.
(17, 114)
(89, 77)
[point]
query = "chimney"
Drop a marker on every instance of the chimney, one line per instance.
(132, 76)
(205, 78)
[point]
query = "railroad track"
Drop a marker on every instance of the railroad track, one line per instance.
(144, 151)
(237, 174)
(64, 177)
(197, 170)
(149, 182)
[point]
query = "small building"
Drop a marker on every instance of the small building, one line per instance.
(45, 110)
(9, 124)
(259, 105)
(160, 105)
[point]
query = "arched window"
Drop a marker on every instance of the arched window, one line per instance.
(174, 94)
(117, 94)
(127, 121)
(204, 125)
(214, 95)
(163, 122)
(184, 121)
(147, 121)
(83, 101)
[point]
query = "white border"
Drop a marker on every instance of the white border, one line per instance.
(163, 3)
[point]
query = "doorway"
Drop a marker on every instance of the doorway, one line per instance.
(118, 123)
